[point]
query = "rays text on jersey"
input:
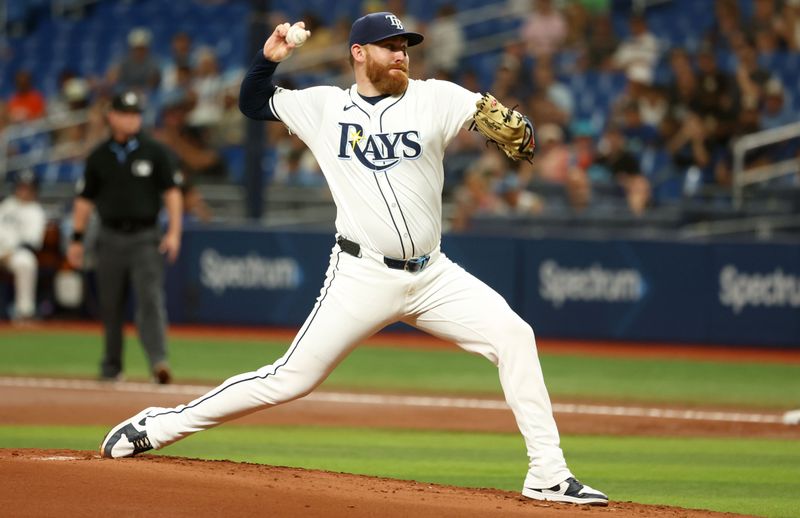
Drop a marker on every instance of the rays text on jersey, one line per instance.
(380, 151)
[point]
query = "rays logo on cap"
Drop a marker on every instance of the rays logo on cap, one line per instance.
(142, 168)
(394, 21)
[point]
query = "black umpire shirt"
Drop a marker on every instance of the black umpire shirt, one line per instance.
(126, 181)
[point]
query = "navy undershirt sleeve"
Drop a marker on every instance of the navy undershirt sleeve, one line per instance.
(257, 89)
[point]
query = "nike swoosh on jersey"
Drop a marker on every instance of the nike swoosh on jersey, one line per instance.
(348, 107)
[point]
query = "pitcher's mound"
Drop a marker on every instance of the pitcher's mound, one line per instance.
(80, 483)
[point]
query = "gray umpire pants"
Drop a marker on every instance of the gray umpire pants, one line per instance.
(123, 260)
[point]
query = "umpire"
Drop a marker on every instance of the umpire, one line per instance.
(126, 178)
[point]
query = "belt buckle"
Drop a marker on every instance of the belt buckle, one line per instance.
(417, 264)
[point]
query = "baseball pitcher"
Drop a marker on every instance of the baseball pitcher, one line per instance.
(380, 144)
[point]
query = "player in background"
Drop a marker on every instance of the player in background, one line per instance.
(380, 144)
(22, 226)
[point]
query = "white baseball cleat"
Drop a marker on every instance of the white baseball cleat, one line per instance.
(570, 491)
(128, 438)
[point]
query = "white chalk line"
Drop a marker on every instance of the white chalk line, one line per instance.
(408, 401)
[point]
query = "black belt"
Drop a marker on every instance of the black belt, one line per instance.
(413, 265)
(129, 226)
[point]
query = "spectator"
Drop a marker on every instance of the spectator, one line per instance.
(544, 30)
(638, 135)
(446, 40)
(181, 55)
(653, 106)
(230, 130)
(683, 86)
(639, 48)
(196, 157)
(727, 27)
(715, 98)
(182, 88)
(478, 194)
(207, 85)
(577, 20)
(601, 43)
(623, 168)
(546, 85)
(506, 80)
(77, 140)
(296, 165)
(321, 34)
(26, 103)
(691, 153)
(552, 155)
(789, 25)
(22, 225)
(774, 110)
(138, 71)
(517, 199)
(715, 88)
(636, 97)
(398, 8)
(75, 95)
(765, 20)
(4, 119)
(195, 208)
(750, 77)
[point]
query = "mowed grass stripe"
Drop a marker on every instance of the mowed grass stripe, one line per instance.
(408, 370)
(401, 400)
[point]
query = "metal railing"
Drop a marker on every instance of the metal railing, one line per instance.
(744, 177)
(40, 155)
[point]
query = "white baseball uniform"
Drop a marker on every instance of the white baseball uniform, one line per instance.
(21, 223)
(383, 164)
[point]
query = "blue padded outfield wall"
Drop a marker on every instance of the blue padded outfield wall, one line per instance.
(737, 294)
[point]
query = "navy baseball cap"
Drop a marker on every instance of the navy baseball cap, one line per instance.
(379, 26)
(129, 102)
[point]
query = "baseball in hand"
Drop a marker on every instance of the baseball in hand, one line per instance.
(297, 35)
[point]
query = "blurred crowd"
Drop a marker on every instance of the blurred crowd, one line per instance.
(675, 132)
(675, 126)
(191, 104)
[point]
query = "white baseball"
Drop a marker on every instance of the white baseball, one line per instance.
(297, 35)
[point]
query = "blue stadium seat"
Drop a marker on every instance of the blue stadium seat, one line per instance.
(234, 160)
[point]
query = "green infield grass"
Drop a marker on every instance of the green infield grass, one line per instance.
(752, 476)
(757, 385)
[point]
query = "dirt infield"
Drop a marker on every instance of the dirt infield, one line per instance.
(79, 483)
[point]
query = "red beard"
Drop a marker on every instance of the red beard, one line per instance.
(385, 79)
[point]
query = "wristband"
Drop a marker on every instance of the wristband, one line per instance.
(77, 236)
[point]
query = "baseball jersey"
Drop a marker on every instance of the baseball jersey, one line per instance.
(21, 223)
(382, 162)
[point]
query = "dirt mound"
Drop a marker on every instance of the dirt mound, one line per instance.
(80, 483)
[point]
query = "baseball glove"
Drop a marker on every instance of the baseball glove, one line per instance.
(508, 129)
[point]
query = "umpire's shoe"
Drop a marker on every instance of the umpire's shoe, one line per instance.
(128, 438)
(570, 491)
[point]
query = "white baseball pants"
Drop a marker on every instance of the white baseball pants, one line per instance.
(360, 296)
(23, 265)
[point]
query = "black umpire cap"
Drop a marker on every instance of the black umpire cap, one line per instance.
(129, 102)
(379, 26)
